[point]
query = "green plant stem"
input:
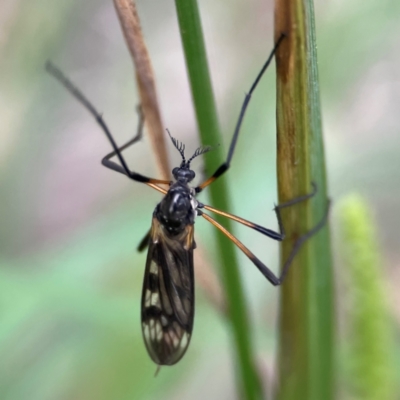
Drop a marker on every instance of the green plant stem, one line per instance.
(306, 320)
(196, 62)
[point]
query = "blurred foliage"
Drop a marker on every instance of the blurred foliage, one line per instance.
(370, 331)
(70, 278)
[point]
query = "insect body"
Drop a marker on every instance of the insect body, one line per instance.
(168, 288)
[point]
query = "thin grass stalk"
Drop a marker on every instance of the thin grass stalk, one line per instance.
(203, 98)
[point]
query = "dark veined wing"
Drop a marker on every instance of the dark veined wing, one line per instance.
(168, 294)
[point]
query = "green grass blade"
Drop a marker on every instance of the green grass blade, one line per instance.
(306, 320)
(196, 62)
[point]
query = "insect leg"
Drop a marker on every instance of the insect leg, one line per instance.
(257, 262)
(116, 167)
(123, 168)
(290, 203)
(265, 231)
(144, 242)
(225, 166)
(302, 239)
(111, 164)
(262, 267)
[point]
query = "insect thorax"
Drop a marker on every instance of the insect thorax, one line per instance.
(177, 209)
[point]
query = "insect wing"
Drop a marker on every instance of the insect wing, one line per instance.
(168, 294)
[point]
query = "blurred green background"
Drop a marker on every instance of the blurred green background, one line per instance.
(70, 277)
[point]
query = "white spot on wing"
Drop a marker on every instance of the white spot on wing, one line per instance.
(154, 299)
(153, 268)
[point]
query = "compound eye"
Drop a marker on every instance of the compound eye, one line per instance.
(175, 172)
(191, 175)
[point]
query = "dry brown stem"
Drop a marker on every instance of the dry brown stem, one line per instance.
(129, 19)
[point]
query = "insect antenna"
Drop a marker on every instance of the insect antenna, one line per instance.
(179, 146)
(199, 151)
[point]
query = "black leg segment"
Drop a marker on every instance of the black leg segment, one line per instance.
(123, 168)
(144, 242)
(265, 231)
(225, 166)
(275, 280)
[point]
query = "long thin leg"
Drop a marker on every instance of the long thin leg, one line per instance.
(225, 166)
(257, 262)
(123, 168)
(302, 239)
(265, 231)
(116, 167)
(139, 133)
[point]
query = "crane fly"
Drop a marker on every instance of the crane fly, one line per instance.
(167, 311)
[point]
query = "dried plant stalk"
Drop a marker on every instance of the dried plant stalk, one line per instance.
(130, 24)
(129, 19)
